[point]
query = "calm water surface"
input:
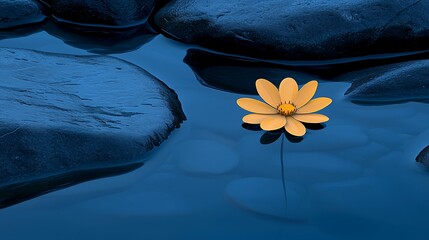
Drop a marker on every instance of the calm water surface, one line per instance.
(213, 179)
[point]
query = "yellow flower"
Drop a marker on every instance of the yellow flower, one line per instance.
(286, 107)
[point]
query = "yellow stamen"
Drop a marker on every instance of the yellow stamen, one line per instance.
(286, 109)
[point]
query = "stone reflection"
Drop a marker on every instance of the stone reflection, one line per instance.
(99, 40)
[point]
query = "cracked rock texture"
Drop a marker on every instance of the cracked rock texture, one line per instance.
(65, 113)
(298, 29)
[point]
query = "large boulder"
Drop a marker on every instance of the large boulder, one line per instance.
(110, 13)
(73, 116)
(299, 29)
(399, 82)
(15, 13)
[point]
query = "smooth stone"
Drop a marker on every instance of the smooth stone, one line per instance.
(423, 156)
(15, 13)
(101, 13)
(64, 115)
(266, 196)
(298, 29)
(407, 81)
(206, 157)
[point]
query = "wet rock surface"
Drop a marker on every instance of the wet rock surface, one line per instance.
(19, 12)
(407, 81)
(101, 12)
(299, 30)
(65, 114)
(423, 156)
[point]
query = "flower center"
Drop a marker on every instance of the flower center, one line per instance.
(286, 109)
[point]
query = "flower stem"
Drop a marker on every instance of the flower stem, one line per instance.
(283, 171)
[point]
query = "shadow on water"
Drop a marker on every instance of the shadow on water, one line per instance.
(21, 31)
(269, 137)
(234, 74)
(238, 74)
(20, 192)
(379, 102)
(101, 40)
(91, 39)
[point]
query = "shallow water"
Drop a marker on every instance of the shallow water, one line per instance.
(212, 179)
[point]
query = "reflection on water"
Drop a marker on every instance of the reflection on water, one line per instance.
(237, 74)
(355, 179)
(16, 193)
(20, 31)
(93, 40)
(101, 41)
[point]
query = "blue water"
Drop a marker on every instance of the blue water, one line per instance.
(212, 179)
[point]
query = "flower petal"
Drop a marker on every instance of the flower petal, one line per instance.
(268, 92)
(311, 118)
(255, 118)
(314, 105)
(273, 122)
(253, 105)
(288, 90)
(295, 127)
(305, 93)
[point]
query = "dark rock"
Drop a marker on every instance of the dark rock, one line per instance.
(237, 74)
(298, 29)
(20, 31)
(14, 13)
(104, 13)
(62, 115)
(407, 81)
(423, 156)
(102, 42)
(19, 192)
